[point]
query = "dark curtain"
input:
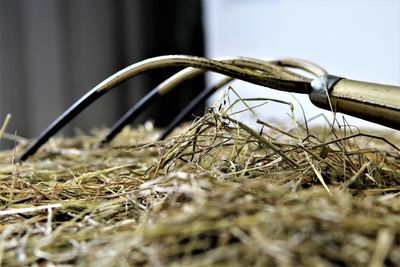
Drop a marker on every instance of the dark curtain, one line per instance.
(52, 52)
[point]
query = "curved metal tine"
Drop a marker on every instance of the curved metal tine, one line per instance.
(248, 75)
(62, 120)
(132, 114)
(302, 64)
(184, 75)
(198, 100)
(144, 102)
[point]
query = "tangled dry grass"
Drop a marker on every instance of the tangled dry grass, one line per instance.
(216, 194)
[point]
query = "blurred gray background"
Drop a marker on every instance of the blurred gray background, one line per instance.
(53, 52)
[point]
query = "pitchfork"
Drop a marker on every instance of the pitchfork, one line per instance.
(370, 101)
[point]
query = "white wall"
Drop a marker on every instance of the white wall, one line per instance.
(355, 39)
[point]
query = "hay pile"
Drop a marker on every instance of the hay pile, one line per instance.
(218, 194)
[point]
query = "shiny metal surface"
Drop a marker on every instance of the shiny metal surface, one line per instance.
(370, 101)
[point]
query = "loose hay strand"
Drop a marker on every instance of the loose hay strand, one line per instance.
(5, 125)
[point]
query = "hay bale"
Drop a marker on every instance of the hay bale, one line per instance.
(217, 194)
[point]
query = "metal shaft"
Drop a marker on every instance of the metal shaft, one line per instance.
(370, 101)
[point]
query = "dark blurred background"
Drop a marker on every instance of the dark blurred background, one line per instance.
(53, 52)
